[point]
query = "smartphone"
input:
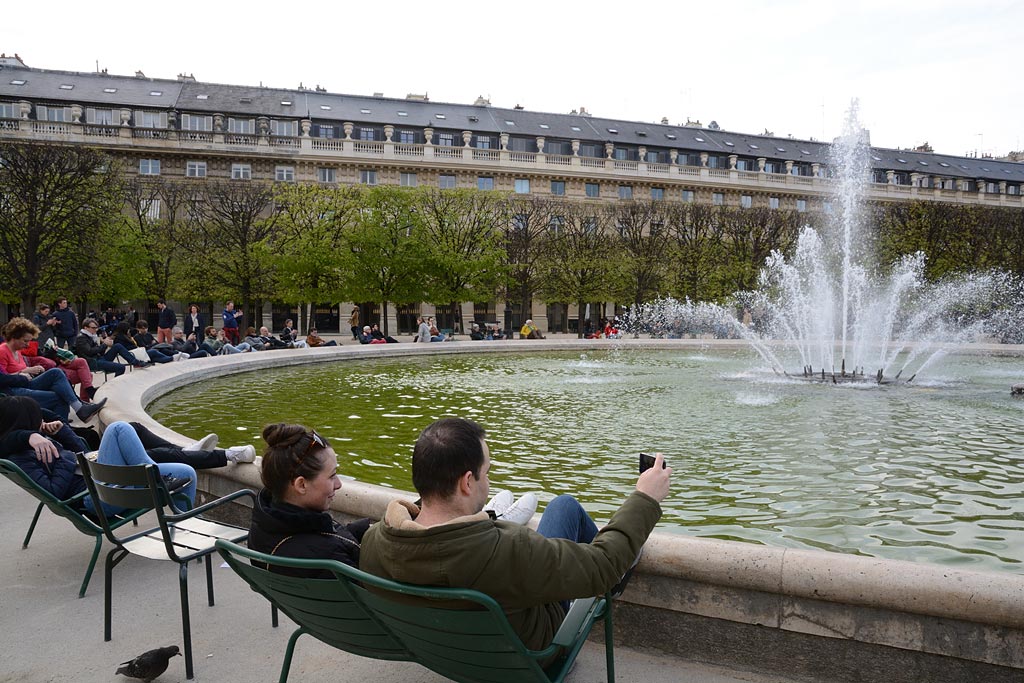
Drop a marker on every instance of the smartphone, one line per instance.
(647, 462)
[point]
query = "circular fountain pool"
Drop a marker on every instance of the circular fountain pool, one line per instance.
(933, 471)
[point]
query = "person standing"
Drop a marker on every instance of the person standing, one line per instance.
(165, 323)
(46, 324)
(67, 328)
(194, 322)
(353, 323)
(230, 317)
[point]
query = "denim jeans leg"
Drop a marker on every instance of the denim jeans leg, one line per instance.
(564, 517)
(122, 446)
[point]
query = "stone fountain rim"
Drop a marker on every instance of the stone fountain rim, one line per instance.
(921, 588)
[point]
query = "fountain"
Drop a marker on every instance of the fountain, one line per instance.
(829, 310)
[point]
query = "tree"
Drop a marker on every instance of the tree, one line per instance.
(579, 265)
(54, 201)
(526, 234)
(385, 251)
(697, 254)
(230, 227)
(463, 229)
(641, 242)
(751, 235)
(309, 243)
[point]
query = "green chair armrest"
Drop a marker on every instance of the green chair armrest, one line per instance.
(580, 614)
(211, 505)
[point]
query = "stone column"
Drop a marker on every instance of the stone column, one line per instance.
(1002, 187)
(347, 127)
(389, 132)
(733, 158)
(575, 148)
(467, 137)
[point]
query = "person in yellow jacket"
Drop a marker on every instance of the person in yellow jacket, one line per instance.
(530, 331)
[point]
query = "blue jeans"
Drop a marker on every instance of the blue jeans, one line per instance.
(564, 517)
(121, 446)
(51, 390)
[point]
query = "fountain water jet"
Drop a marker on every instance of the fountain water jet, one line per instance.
(829, 308)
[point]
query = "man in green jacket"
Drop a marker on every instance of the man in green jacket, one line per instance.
(451, 542)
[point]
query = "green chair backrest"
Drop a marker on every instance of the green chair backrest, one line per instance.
(326, 608)
(70, 509)
(473, 643)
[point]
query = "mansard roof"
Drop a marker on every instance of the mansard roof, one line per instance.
(187, 95)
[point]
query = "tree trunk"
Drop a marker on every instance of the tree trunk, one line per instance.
(384, 318)
(580, 307)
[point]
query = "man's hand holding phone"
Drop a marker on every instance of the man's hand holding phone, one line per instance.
(655, 481)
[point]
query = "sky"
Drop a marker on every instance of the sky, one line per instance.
(946, 72)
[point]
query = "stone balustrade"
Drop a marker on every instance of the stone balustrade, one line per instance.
(158, 140)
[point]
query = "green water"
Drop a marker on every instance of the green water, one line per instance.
(928, 472)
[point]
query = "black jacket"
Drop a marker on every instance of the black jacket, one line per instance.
(286, 530)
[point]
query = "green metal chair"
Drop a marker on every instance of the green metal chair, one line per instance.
(70, 509)
(179, 536)
(468, 640)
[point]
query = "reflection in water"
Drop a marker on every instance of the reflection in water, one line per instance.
(931, 472)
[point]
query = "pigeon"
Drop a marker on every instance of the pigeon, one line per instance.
(149, 665)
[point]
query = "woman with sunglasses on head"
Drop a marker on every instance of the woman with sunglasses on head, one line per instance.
(290, 517)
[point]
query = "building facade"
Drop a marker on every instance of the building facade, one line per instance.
(189, 129)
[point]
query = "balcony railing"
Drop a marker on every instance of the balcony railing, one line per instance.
(154, 140)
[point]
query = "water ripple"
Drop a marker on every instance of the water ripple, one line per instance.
(932, 471)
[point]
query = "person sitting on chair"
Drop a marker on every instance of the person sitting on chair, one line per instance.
(28, 442)
(451, 542)
(290, 516)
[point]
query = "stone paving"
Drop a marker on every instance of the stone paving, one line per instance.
(52, 636)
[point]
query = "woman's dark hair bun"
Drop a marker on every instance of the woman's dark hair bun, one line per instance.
(283, 435)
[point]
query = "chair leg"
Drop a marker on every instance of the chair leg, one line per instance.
(289, 651)
(209, 580)
(113, 557)
(273, 615)
(609, 642)
(32, 527)
(186, 625)
(92, 565)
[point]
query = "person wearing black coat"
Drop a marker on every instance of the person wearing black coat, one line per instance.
(291, 517)
(194, 322)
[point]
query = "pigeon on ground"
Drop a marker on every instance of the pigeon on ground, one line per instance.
(149, 665)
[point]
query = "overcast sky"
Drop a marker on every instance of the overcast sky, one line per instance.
(942, 71)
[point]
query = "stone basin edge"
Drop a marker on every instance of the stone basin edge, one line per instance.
(894, 586)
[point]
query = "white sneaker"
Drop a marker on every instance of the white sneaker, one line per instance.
(241, 453)
(502, 501)
(207, 443)
(521, 511)
(180, 356)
